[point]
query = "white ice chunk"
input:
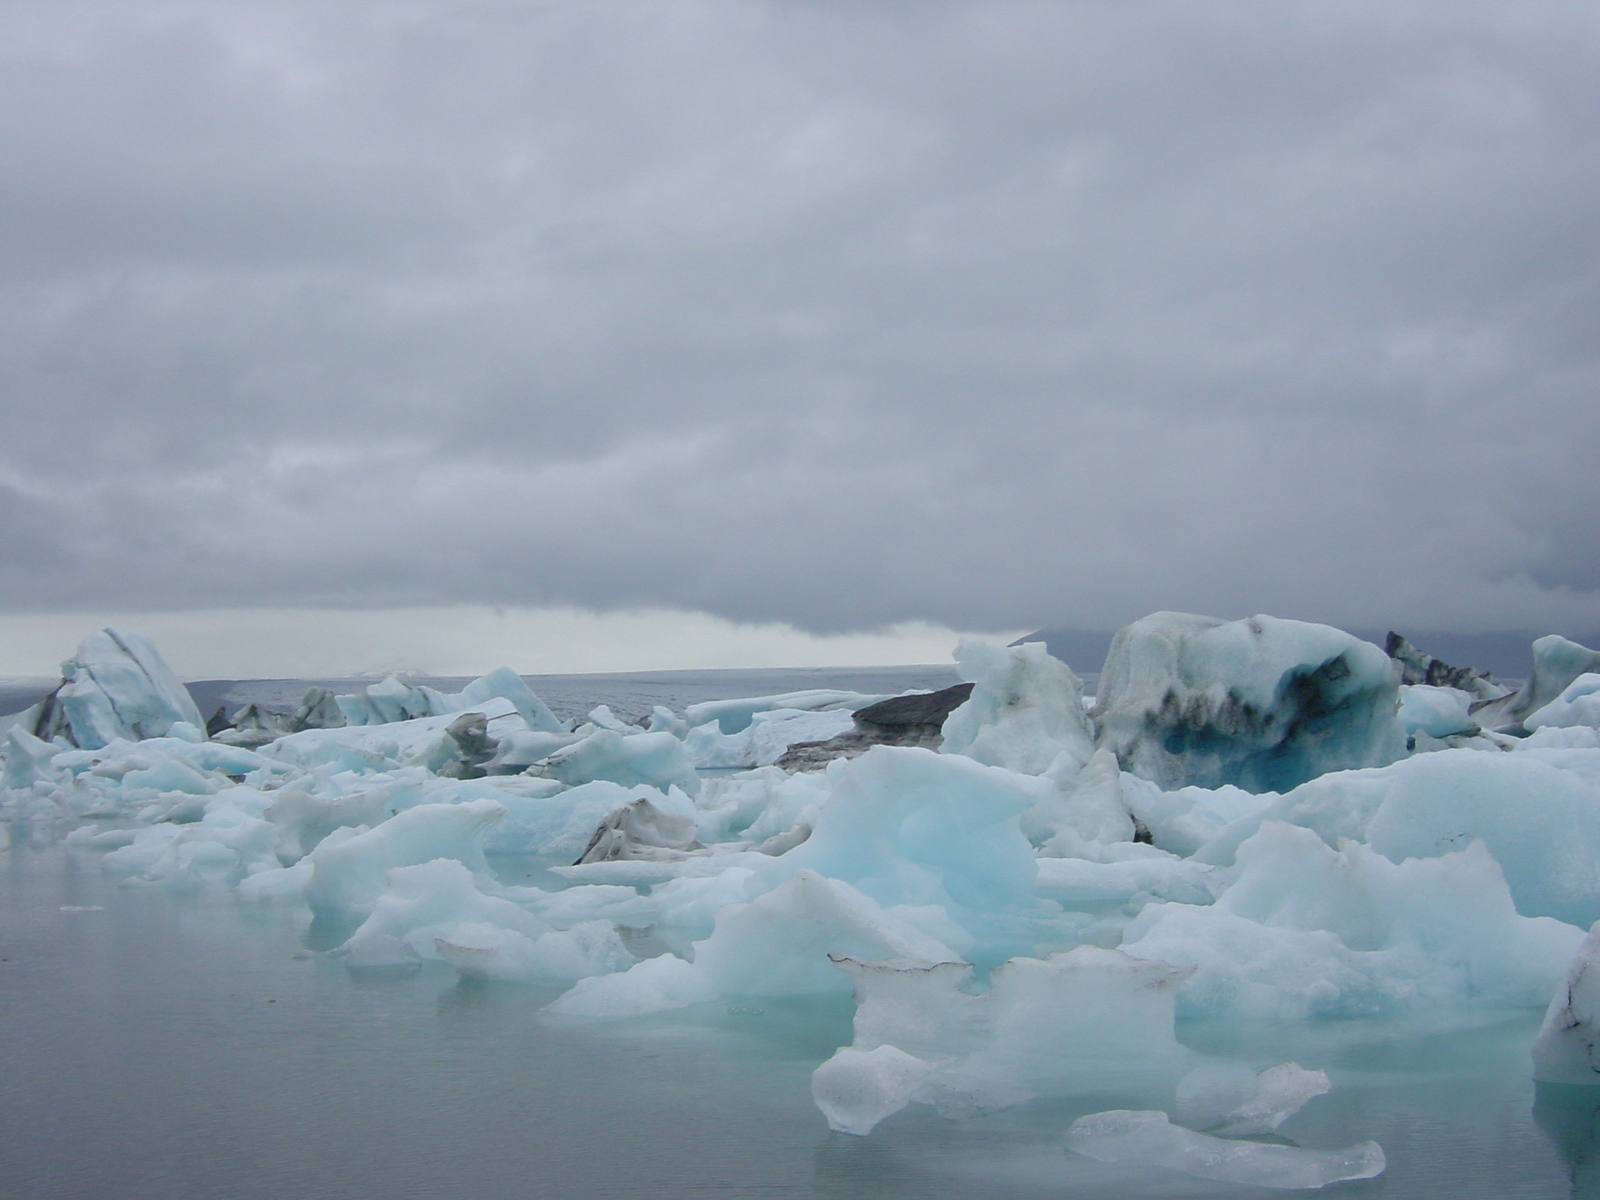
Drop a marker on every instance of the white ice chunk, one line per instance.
(28, 760)
(560, 823)
(1567, 1049)
(1090, 806)
(1079, 883)
(778, 944)
(1079, 1020)
(925, 1008)
(480, 950)
(304, 819)
(384, 702)
(1281, 1091)
(349, 874)
(227, 843)
(1262, 703)
(1540, 821)
(664, 720)
(1182, 820)
(691, 903)
(426, 902)
(656, 760)
(654, 985)
(522, 748)
(1025, 712)
(602, 716)
(1151, 1139)
(1211, 1091)
(908, 826)
(1577, 705)
(1306, 930)
(506, 684)
(764, 741)
(1557, 662)
(735, 715)
(283, 885)
(1436, 711)
(1084, 1013)
(855, 1089)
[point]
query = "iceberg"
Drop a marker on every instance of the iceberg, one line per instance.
(908, 826)
(1264, 704)
(1557, 662)
(117, 686)
(1025, 712)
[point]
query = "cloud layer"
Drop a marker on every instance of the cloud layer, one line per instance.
(989, 314)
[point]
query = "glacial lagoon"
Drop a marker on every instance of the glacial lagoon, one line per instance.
(178, 1043)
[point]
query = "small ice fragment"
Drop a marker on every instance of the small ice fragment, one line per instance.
(83, 908)
(1281, 1091)
(1123, 1135)
(382, 953)
(1210, 1093)
(855, 1089)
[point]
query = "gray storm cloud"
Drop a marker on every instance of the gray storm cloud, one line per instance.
(994, 314)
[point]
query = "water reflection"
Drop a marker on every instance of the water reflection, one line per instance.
(1569, 1116)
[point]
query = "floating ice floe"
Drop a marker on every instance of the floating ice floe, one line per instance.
(1070, 1021)
(1150, 1139)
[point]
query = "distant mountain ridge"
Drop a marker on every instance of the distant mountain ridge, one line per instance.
(1503, 655)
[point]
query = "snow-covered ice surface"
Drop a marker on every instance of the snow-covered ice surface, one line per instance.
(509, 955)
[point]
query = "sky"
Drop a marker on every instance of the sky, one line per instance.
(684, 333)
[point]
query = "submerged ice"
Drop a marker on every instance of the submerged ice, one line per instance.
(1255, 819)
